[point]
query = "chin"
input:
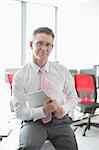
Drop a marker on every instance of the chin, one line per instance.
(43, 56)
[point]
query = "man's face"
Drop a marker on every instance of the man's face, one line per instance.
(42, 46)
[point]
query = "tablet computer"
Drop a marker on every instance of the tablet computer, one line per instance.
(36, 99)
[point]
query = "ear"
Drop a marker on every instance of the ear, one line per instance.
(31, 45)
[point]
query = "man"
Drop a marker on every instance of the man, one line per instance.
(62, 98)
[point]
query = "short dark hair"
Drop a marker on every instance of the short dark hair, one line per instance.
(45, 30)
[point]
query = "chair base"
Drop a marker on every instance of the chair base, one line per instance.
(88, 125)
(0, 138)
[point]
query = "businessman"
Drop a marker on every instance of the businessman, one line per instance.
(50, 121)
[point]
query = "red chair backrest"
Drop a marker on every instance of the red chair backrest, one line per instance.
(85, 87)
(84, 82)
(10, 78)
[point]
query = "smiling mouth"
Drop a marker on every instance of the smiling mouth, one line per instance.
(42, 54)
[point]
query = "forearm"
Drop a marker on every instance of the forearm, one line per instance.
(24, 113)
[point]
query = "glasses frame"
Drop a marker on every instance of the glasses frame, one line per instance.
(42, 44)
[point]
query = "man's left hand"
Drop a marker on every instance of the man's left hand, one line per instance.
(60, 113)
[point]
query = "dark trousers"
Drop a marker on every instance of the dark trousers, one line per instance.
(58, 131)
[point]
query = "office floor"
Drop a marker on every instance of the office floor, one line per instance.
(90, 142)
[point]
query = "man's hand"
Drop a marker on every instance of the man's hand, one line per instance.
(60, 113)
(50, 105)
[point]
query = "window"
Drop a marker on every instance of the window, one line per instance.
(11, 34)
(38, 15)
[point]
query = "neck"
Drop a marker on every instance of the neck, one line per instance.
(40, 63)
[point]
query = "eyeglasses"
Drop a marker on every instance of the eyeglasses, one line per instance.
(42, 43)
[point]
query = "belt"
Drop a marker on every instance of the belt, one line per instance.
(53, 116)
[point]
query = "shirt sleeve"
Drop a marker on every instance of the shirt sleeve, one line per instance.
(70, 96)
(21, 110)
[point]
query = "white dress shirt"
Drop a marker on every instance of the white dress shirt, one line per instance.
(27, 80)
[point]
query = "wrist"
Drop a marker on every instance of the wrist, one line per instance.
(45, 110)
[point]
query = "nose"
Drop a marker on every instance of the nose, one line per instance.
(44, 47)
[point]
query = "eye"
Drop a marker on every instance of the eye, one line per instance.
(48, 44)
(40, 43)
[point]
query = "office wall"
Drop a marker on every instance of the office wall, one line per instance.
(10, 34)
(78, 36)
(98, 31)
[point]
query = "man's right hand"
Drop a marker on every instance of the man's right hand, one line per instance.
(50, 106)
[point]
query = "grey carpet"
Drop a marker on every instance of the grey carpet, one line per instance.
(90, 141)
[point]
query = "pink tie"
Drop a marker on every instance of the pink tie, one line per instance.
(44, 86)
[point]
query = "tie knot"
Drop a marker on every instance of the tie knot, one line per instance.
(42, 70)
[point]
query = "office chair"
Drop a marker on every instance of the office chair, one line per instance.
(91, 71)
(73, 72)
(96, 68)
(86, 89)
(10, 78)
(9, 73)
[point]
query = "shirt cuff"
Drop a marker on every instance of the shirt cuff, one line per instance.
(66, 108)
(38, 113)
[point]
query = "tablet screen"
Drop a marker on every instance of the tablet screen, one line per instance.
(36, 99)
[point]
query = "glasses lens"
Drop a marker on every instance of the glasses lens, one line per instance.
(42, 43)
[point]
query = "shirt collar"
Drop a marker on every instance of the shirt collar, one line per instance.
(36, 68)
